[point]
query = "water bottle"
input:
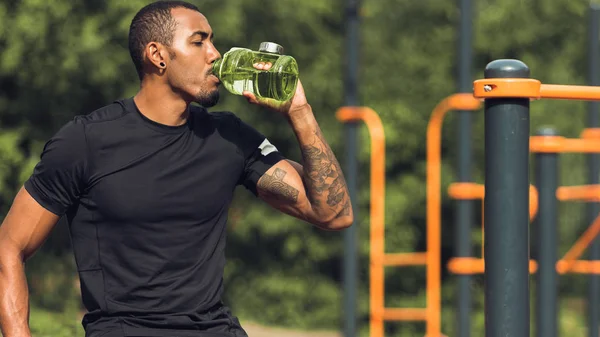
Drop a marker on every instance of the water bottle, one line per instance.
(237, 73)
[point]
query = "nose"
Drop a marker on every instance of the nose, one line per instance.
(213, 54)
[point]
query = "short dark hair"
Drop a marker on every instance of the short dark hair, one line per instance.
(153, 23)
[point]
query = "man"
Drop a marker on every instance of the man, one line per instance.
(146, 183)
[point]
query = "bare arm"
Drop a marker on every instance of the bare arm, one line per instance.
(315, 191)
(23, 231)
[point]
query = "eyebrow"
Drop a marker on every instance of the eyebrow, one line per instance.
(203, 34)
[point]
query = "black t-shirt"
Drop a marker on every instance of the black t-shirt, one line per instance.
(147, 207)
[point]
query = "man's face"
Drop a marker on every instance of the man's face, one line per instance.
(189, 70)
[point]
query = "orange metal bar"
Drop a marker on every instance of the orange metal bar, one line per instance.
(580, 193)
(573, 92)
(466, 191)
(473, 265)
(533, 89)
(546, 144)
(463, 102)
(558, 144)
(580, 245)
(377, 211)
(405, 259)
(399, 314)
(580, 267)
(581, 145)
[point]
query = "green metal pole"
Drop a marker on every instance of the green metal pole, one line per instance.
(464, 208)
(547, 233)
(506, 208)
(593, 208)
(350, 263)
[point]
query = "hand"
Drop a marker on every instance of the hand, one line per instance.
(296, 103)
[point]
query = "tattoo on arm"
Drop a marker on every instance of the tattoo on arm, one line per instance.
(323, 174)
(274, 185)
(345, 210)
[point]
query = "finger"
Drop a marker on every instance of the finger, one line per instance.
(250, 97)
(263, 65)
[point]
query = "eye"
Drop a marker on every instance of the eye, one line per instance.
(199, 43)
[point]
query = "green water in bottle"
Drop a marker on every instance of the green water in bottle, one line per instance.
(237, 73)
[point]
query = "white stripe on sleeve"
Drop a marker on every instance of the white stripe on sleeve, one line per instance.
(266, 147)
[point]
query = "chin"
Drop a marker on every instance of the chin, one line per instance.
(208, 100)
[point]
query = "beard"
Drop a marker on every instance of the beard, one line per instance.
(209, 99)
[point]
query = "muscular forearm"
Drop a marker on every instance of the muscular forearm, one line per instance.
(14, 298)
(322, 175)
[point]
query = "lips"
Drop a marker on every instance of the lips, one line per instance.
(215, 78)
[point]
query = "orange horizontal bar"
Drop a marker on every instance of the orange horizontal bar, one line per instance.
(474, 265)
(405, 314)
(578, 267)
(405, 259)
(466, 265)
(583, 193)
(533, 89)
(575, 92)
(558, 144)
(546, 144)
(581, 145)
(466, 191)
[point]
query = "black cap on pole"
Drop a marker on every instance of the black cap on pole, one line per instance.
(506, 68)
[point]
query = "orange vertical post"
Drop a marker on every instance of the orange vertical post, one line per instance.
(461, 101)
(377, 214)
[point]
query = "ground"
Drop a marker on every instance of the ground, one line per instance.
(256, 330)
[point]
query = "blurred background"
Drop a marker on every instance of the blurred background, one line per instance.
(63, 58)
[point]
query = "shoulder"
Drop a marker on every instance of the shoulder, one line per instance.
(95, 124)
(107, 113)
(79, 123)
(74, 134)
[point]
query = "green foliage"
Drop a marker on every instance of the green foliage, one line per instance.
(59, 59)
(46, 323)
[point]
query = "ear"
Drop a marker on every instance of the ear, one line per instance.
(155, 53)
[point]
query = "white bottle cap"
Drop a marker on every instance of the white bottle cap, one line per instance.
(270, 47)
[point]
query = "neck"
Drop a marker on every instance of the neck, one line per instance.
(159, 103)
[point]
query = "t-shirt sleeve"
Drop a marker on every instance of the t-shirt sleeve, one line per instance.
(59, 177)
(259, 155)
